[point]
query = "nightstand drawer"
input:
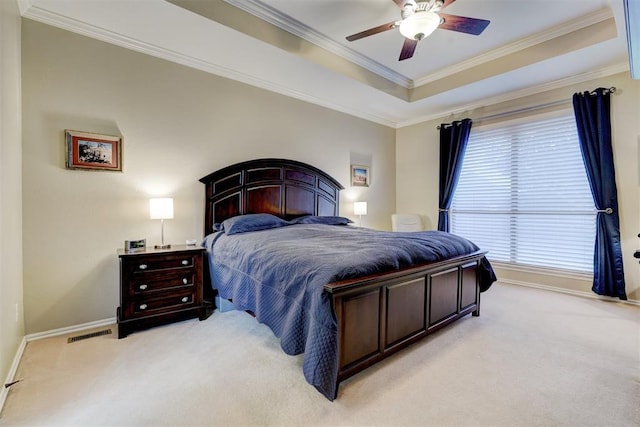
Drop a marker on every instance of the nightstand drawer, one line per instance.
(145, 283)
(154, 263)
(143, 264)
(167, 302)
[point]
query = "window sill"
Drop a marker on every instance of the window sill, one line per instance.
(547, 271)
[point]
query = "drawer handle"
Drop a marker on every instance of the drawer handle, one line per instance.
(185, 262)
(185, 299)
(185, 281)
(143, 287)
(143, 266)
(143, 306)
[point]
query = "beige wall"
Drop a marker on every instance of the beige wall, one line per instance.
(417, 171)
(178, 125)
(11, 328)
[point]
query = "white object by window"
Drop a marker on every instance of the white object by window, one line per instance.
(406, 222)
(523, 195)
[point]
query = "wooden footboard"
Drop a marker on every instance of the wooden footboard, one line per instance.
(379, 315)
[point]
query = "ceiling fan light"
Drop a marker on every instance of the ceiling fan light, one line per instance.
(419, 25)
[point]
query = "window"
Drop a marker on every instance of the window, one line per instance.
(523, 195)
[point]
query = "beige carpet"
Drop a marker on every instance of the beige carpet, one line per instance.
(533, 358)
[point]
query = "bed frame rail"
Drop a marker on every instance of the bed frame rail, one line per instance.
(380, 315)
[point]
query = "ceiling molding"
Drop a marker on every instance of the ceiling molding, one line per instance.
(75, 26)
(237, 19)
(23, 6)
(287, 23)
(552, 33)
(532, 90)
(560, 45)
(30, 9)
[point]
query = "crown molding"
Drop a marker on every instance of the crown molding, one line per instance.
(297, 28)
(285, 22)
(32, 11)
(521, 93)
(42, 15)
(552, 33)
(24, 6)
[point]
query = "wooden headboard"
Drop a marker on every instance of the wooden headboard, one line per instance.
(285, 188)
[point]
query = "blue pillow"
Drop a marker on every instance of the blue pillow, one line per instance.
(251, 222)
(328, 220)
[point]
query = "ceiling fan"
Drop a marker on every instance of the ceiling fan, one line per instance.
(420, 19)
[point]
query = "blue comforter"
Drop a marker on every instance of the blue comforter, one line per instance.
(279, 275)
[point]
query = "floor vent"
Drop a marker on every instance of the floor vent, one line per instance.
(87, 336)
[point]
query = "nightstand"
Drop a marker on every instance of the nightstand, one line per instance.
(159, 286)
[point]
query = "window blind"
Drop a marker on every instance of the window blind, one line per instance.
(523, 195)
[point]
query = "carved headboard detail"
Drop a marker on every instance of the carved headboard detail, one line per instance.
(285, 188)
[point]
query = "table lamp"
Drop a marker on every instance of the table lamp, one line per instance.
(360, 208)
(161, 208)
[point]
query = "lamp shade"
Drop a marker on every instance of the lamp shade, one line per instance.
(419, 25)
(161, 208)
(360, 208)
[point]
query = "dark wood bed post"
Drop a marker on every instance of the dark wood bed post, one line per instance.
(476, 312)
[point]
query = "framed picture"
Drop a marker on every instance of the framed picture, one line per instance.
(93, 151)
(359, 176)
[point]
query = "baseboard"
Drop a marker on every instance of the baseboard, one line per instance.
(70, 329)
(569, 291)
(42, 335)
(12, 372)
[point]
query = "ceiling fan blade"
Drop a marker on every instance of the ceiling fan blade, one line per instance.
(463, 24)
(408, 48)
(446, 3)
(372, 31)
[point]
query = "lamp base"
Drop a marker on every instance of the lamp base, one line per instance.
(162, 246)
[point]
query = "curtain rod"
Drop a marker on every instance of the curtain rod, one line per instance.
(518, 111)
(612, 89)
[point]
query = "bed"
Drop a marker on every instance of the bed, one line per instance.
(347, 297)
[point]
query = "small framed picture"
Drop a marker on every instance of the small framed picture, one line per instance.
(93, 151)
(359, 176)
